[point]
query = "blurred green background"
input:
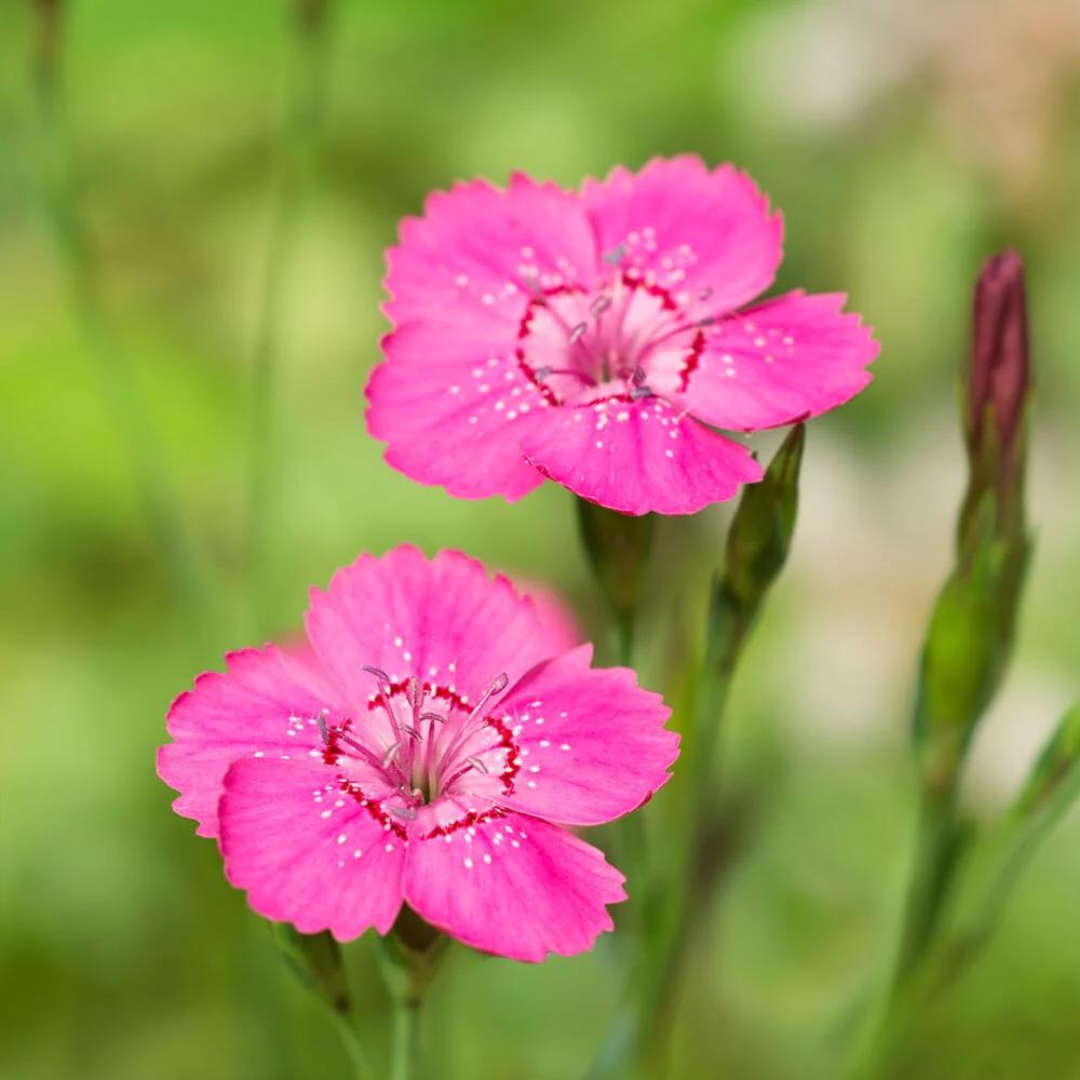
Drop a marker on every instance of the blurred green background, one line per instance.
(904, 140)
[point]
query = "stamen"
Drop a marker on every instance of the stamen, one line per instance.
(321, 721)
(578, 332)
(638, 375)
(615, 255)
(391, 752)
(406, 812)
(385, 687)
(435, 718)
(599, 306)
(497, 686)
(640, 392)
(477, 764)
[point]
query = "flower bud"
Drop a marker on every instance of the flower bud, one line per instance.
(971, 630)
(760, 535)
(999, 374)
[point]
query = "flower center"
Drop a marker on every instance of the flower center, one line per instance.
(423, 749)
(627, 338)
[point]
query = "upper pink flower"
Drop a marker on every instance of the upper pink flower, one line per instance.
(419, 751)
(598, 338)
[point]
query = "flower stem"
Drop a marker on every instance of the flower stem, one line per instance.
(304, 109)
(406, 1038)
(618, 548)
(351, 1041)
(410, 956)
(119, 387)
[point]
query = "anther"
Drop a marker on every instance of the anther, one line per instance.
(321, 721)
(406, 812)
(377, 672)
(415, 692)
(637, 377)
(477, 764)
(391, 752)
(599, 306)
(640, 392)
(615, 255)
(578, 332)
(434, 718)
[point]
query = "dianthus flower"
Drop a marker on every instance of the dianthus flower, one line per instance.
(420, 751)
(598, 338)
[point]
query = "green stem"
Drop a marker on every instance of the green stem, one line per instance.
(937, 849)
(353, 1048)
(662, 976)
(304, 111)
(119, 388)
(406, 1038)
(939, 843)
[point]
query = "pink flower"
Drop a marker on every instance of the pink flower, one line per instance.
(420, 752)
(598, 338)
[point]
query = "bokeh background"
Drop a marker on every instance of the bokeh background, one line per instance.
(904, 140)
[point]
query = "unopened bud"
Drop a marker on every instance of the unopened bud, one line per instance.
(760, 536)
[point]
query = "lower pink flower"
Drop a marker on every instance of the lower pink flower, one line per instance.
(421, 752)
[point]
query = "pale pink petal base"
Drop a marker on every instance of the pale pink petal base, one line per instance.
(515, 886)
(637, 457)
(304, 853)
(785, 360)
(594, 745)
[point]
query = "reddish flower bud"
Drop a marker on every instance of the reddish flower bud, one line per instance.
(999, 379)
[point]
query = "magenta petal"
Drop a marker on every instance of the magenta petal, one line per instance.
(514, 886)
(267, 703)
(637, 457)
(692, 231)
(306, 855)
(454, 409)
(441, 619)
(787, 359)
(479, 250)
(593, 742)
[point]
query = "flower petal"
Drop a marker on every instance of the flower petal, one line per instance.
(453, 410)
(785, 360)
(706, 234)
(268, 702)
(441, 619)
(637, 457)
(514, 886)
(479, 252)
(593, 743)
(339, 871)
